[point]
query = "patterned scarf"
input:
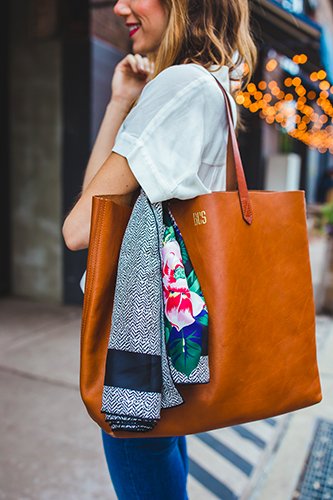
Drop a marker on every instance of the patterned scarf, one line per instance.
(159, 322)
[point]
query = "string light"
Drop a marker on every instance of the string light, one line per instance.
(271, 65)
(251, 88)
(293, 108)
(324, 85)
(300, 58)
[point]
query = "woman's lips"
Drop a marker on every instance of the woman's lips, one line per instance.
(133, 30)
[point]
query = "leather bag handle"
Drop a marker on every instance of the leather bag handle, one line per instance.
(235, 171)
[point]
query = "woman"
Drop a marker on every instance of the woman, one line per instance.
(173, 144)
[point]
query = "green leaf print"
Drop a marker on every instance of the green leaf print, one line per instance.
(179, 273)
(193, 283)
(167, 329)
(185, 353)
(169, 234)
(183, 251)
(202, 319)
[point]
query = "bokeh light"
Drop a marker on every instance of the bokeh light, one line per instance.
(304, 114)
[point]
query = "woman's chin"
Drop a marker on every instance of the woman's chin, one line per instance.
(137, 47)
(140, 47)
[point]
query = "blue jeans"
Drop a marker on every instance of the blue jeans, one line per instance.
(147, 468)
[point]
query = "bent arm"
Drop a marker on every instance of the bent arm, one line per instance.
(107, 172)
(113, 177)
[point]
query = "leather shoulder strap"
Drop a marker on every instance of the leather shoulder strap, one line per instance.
(235, 172)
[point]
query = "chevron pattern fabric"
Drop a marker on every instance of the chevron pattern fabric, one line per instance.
(138, 374)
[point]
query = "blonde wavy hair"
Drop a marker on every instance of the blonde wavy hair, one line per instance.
(209, 32)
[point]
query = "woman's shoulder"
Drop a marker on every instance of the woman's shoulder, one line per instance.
(193, 78)
(179, 76)
(186, 71)
(193, 71)
(196, 80)
(190, 87)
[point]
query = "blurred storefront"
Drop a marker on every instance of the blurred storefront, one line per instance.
(60, 63)
(284, 29)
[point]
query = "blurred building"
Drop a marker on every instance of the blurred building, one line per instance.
(55, 84)
(285, 29)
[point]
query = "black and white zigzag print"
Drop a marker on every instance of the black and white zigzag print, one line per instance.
(197, 376)
(138, 379)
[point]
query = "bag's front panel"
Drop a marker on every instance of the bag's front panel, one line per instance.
(256, 280)
(258, 287)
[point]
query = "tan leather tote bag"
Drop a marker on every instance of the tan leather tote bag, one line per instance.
(250, 252)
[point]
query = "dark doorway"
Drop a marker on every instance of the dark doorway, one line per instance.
(4, 155)
(94, 40)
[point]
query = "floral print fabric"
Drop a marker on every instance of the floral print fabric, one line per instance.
(185, 310)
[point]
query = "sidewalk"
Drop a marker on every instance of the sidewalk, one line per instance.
(50, 449)
(281, 475)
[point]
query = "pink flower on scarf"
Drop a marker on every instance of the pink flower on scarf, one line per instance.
(181, 305)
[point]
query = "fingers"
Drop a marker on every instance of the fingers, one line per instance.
(132, 62)
(140, 64)
(140, 61)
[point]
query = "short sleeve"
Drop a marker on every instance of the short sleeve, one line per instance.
(163, 135)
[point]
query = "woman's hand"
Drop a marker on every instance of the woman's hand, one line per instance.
(130, 76)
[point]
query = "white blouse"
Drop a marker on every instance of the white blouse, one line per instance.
(175, 137)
